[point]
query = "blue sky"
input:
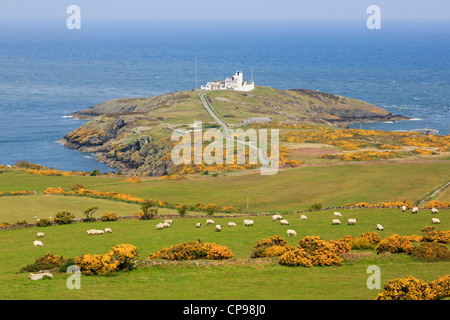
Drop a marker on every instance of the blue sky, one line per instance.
(229, 9)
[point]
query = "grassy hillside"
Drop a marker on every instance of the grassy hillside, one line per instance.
(299, 188)
(289, 105)
(13, 209)
(289, 190)
(236, 279)
(133, 134)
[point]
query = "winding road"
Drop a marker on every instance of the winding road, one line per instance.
(268, 167)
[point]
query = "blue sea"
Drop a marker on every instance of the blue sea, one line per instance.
(48, 71)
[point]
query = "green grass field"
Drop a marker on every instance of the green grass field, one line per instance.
(234, 279)
(240, 278)
(295, 189)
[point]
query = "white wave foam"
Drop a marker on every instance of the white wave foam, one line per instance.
(415, 119)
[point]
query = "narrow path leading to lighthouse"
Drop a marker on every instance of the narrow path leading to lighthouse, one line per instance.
(266, 164)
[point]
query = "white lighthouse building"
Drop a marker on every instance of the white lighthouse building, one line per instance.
(236, 82)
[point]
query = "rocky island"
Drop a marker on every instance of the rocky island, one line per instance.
(133, 134)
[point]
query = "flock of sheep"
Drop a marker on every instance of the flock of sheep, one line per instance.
(291, 232)
(276, 217)
(90, 232)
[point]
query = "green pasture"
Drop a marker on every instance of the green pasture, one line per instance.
(235, 279)
(299, 188)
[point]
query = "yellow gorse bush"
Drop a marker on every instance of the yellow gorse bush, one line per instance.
(120, 196)
(408, 288)
(367, 155)
(430, 234)
(275, 251)
(394, 244)
(313, 251)
(48, 172)
(126, 255)
(192, 251)
(121, 257)
(133, 180)
(437, 204)
(270, 247)
(91, 264)
(389, 204)
(109, 216)
(411, 288)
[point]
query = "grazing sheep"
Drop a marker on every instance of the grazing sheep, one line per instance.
(434, 210)
(37, 243)
(218, 227)
(435, 220)
(284, 222)
(40, 234)
(415, 210)
(160, 226)
(337, 214)
(303, 217)
(100, 232)
(403, 208)
(231, 224)
(91, 232)
(248, 222)
(198, 225)
(108, 230)
(291, 232)
(168, 221)
(336, 221)
(167, 225)
(276, 217)
(380, 227)
(352, 221)
(210, 221)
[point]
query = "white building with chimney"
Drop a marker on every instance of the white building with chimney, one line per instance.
(236, 82)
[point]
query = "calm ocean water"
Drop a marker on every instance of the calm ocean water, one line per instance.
(48, 71)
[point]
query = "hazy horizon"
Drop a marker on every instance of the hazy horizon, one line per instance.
(231, 9)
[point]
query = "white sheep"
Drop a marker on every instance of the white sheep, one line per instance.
(276, 217)
(248, 222)
(37, 243)
(415, 210)
(336, 221)
(108, 230)
(435, 220)
(198, 225)
(291, 232)
(168, 221)
(91, 232)
(167, 225)
(434, 210)
(337, 214)
(284, 222)
(40, 234)
(380, 227)
(160, 226)
(100, 232)
(303, 217)
(231, 224)
(218, 227)
(352, 221)
(403, 208)
(210, 221)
